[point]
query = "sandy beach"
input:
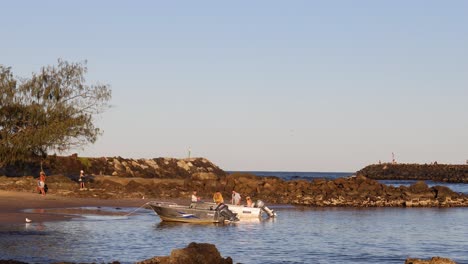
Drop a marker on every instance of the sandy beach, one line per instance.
(13, 204)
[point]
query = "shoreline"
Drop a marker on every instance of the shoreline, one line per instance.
(13, 206)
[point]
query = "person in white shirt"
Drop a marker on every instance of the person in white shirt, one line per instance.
(236, 198)
(195, 198)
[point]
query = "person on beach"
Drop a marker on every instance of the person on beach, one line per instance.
(38, 187)
(81, 179)
(41, 183)
(248, 202)
(195, 198)
(236, 198)
(218, 198)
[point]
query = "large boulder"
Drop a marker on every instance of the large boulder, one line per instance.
(194, 253)
(419, 187)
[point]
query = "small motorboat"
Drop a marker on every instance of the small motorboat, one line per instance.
(173, 212)
(204, 212)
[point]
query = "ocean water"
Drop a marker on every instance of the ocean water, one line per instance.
(297, 235)
(294, 175)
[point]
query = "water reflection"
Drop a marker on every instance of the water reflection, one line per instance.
(298, 235)
(247, 221)
(35, 226)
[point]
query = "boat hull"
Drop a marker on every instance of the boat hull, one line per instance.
(179, 213)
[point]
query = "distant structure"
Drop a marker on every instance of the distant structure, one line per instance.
(393, 158)
(189, 152)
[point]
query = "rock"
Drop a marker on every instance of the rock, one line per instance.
(117, 165)
(183, 165)
(152, 164)
(433, 260)
(442, 192)
(194, 253)
(204, 176)
(10, 261)
(419, 187)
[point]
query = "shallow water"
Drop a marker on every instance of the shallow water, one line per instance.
(297, 235)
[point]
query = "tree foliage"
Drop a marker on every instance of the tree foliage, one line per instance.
(52, 110)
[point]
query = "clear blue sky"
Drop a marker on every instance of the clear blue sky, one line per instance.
(262, 85)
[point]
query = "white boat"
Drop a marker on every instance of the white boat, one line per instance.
(202, 212)
(259, 209)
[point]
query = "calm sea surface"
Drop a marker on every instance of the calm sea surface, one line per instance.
(297, 235)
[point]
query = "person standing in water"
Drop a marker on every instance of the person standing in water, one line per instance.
(218, 198)
(236, 198)
(195, 198)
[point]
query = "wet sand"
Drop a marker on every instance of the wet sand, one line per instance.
(44, 208)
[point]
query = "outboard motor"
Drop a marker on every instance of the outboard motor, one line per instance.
(260, 204)
(226, 213)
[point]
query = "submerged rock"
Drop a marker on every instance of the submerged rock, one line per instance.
(433, 260)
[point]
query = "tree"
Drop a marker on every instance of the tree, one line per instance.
(51, 111)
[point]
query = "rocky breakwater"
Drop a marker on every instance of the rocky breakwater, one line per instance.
(434, 172)
(352, 192)
(70, 166)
